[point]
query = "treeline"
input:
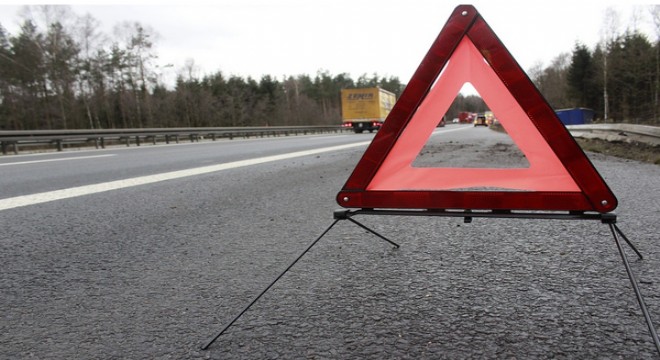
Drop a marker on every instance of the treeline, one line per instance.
(66, 74)
(62, 72)
(216, 100)
(619, 78)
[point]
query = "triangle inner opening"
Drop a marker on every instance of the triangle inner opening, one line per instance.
(469, 135)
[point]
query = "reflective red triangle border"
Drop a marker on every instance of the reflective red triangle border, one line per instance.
(594, 194)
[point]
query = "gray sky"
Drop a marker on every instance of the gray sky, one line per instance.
(290, 37)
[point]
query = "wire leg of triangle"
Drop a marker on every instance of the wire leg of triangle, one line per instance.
(337, 219)
(372, 231)
(616, 232)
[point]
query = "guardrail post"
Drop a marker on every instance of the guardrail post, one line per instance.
(137, 140)
(102, 142)
(3, 145)
(59, 144)
(15, 146)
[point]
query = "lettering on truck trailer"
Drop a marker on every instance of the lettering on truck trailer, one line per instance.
(361, 96)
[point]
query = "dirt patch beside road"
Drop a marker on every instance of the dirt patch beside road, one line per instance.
(627, 150)
(634, 150)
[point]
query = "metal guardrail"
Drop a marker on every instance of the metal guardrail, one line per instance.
(14, 140)
(618, 133)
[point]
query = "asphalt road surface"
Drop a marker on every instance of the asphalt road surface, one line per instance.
(148, 252)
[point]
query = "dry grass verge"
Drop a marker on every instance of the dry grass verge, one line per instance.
(627, 150)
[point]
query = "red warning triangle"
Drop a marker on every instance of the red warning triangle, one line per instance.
(560, 176)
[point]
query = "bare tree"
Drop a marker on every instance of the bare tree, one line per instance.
(60, 52)
(44, 16)
(609, 32)
(552, 81)
(138, 41)
(655, 15)
(89, 39)
(636, 18)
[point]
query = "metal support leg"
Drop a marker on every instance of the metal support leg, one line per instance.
(346, 215)
(269, 286)
(627, 241)
(373, 232)
(610, 219)
(616, 232)
(339, 215)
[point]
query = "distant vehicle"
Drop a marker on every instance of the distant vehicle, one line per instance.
(490, 118)
(466, 117)
(366, 108)
(575, 116)
(480, 120)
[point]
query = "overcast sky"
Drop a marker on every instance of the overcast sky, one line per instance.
(291, 37)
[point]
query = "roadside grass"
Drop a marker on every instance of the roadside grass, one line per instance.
(627, 150)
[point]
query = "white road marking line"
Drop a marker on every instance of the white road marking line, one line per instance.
(39, 198)
(445, 130)
(51, 160)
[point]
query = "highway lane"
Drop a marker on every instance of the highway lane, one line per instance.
(153, 271)
(75, 174)
(49, 171)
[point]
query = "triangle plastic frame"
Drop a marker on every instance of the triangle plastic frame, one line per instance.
(591, 193)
